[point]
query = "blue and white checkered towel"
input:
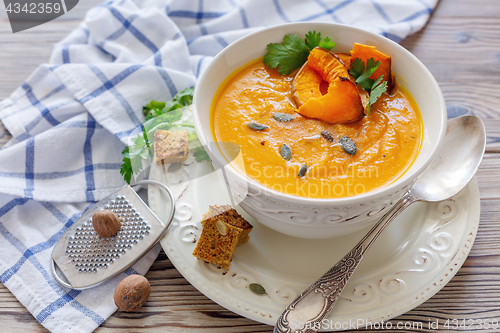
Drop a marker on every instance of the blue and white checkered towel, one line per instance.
(72, 118)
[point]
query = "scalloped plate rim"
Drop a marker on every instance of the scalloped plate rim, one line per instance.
(245, 309)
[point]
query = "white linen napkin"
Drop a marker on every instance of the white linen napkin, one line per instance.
(72, 117)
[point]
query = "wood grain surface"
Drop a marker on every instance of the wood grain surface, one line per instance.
(459, 45)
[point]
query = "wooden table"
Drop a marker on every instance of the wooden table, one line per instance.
(460, 47)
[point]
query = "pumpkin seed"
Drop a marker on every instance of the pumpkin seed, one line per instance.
(257, 289)
(221, 227)
(302, 170)
(327, 135)
(284, 117)
(286, 152)
(348, 145)
(174, 167)
(257, 127)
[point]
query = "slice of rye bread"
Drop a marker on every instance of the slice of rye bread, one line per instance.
(223, 230)
(217, 243)
(229, 215)
(171, 146)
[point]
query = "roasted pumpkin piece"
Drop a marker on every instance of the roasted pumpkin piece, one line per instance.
(366, 52)
(341, 104)
(306, 85)
(345, 58)
(328, 65)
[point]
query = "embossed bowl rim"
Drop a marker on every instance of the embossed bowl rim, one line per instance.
(409, 71)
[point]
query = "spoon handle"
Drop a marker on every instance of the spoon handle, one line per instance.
(306, 313)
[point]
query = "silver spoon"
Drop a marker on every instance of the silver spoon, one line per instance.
(461, 154)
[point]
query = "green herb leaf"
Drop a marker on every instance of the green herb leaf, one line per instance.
(153, 108)
(327, 43)
(375, 87)
(314, 39)
(155, 105)
(200, 154)
(293, 52)
(378, 88)
(361, 74)
(357, 68)
(159, 115)
(184, 97)
(181, 99)
(131, 162)
(126, 168)
(287, 56)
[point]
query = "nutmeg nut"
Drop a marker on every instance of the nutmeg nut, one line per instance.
(132, 292)
(106, 223)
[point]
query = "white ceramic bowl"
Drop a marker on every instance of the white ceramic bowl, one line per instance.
(321, 218)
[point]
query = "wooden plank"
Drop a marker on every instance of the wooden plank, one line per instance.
(24, 51)
(488, 177)
(467, 9)
(486, 248)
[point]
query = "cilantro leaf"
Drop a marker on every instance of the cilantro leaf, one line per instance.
(131, 162)
(371, 66)
(314, 39)
(154, 105)
(126, 168)
(184, 97)
(180, 100)
(153, 108)
(377, 89)
(159, 115)
(327, 43)
(361, 74)
(200, 154)
(287, 56)
(293, 52)
(357, 68)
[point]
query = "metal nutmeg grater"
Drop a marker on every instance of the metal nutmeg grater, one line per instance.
(81, 259)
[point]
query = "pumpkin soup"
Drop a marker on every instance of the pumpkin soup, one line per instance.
(301, 155)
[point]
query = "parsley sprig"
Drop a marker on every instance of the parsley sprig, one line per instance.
(160, 115)
(293, 51)
(362, 75)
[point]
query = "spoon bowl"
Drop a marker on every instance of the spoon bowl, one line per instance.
(453, 168)
(449, 172)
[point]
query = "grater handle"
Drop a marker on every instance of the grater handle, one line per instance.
(58, 278)
(171, 195)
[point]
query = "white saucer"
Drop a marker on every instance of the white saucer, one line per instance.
(411, 261)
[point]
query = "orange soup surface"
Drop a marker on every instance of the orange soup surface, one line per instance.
(388, 140)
